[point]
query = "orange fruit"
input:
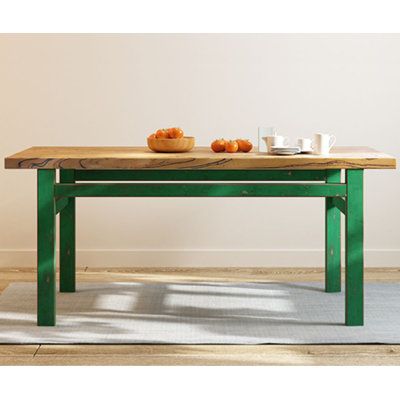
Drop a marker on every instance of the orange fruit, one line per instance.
(232, 146)
(244, 145)
(162, 134)
(218, 145)
(175, 133)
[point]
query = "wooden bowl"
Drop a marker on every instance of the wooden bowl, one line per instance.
(171, 145)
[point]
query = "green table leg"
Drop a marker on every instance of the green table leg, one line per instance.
(354, 249)
(46, 257)
(67, 238)
(332, 238)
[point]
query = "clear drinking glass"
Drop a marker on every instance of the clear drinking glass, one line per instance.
(262, 132)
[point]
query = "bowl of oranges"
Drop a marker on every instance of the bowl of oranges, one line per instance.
(170, 140)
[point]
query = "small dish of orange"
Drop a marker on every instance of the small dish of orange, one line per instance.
(231, 146)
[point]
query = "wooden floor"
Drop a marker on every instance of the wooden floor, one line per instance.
(198, 354)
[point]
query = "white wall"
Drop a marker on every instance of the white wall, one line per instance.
(116, 89)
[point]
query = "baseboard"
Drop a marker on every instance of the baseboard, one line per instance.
(200, 258)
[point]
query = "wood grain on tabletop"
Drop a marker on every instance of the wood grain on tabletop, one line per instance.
(198, 158)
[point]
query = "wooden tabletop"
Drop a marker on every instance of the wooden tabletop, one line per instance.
(198, 158)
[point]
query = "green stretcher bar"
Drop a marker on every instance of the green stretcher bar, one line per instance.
(198, 190)
(199, 175)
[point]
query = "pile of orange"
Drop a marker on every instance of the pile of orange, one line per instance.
(168, 133)
(231, 146)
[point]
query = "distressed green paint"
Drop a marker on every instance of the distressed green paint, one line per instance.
(46, 257)
(61, 203)
(52, 198)
(332, 239)
(67, 239)
(199, 175)
(354, 249)
(340, 204)
(198, 190)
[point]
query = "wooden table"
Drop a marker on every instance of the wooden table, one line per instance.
(220, 175)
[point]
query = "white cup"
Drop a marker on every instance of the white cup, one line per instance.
(276, 140)
(323, 143)
(305, 144)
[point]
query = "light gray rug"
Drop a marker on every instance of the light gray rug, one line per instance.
(219, 313)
